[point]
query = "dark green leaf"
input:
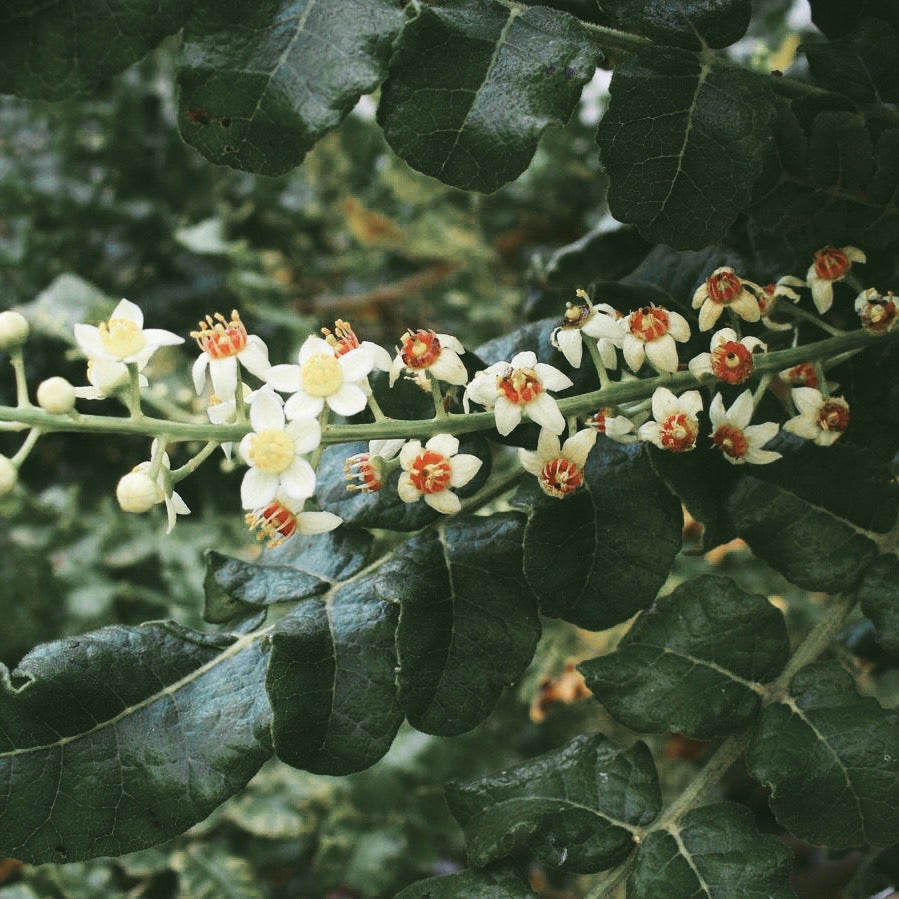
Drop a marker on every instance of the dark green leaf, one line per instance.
(683, 140)
(500, 881)
(576, 808)
(262, 82)
(831, 758)
(472, 87)
(808, 545)
(693, 662)
(688, 23)
(53, 50)
(468, 626)
(836, 17)
(860, 64)
(331, 681)
(602, 554)
(97, 744)
(713, 852)
(879, 598)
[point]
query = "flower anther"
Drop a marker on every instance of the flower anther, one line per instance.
(123, 338)
(425, 352)
(282, 518)
(430, 471)
(224, 344)
(320, 375)
(739, 441)
(822, 419)
(725, 288)
(559, 468)
(343, 338)
(369, 470)
(831, 264)
(730, 360)
(651, 333)
(879, 313)
(676, 426)
(219, 338)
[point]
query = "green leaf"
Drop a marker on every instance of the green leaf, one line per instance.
(602, 554)
(859, 64)
(693, 662)
(98, 742)
(468, 625)
(713, 852)
(330, 681)
(879, 598)
(53, 50)
(688, 23)
(499, 881)
(683, 140)
(209, 871)
(261, 83)
(575, 808)
(807, 544)
(297, 569)
(831, 758)
(472, 87)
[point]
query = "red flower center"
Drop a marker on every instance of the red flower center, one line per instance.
(220, 338)
(678, 433)
(430, 472)
(597, 420)
(560, 477)
(833, 416)
(732, 362)
(649, 323)
(802, 375)
(366, 470)
(879, 315)
(831, 264)
(731, 441)
(420, 349)
(275, 523)
(520, 385)
(723, 287)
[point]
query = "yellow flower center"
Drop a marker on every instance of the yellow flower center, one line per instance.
(321, 375)
(121, 337)
(272, 451)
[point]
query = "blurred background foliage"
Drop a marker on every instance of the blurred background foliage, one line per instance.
(100, 199)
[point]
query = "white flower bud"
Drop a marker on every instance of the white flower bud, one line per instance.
(13, 330)
(8, 475)
(56, 396)
(137, 492)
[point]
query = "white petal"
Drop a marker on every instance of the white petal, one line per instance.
(690, 402)
(759, 456)
(221, 413)
(244, 447)
(753, 343)
(634, 352)
(317, 522)
(545, 411)
(198, 372)
(301, 405)
(445, 444)
(855, 254)
(722, 336)
(284, 378)
(578, 446)
(179, 504)
(808, 400)
(306, 434)
(701, 364)
(700, 295)
(531, 462)
(604, 326)
(662, 353)
(445, 501)
(257, 488)
(717, 415)
(759, 435)
(160, 337)
(355, 364)
(571, 345)
(803, 426)
(678, 327)
(822, 294)
(407, 491)
(254, 357)
(526, 359)
(266, 412)
(314, 346)
(465, 467)
(664, 403)
(450, 368)
(607, 353)
(409, 453)
(395, 368)
(508, 415)
(551, 377)
(548, 446)
(709, 315)
(740, 412)
(380, 358)
(448, 342)
(482, 390)
(223, 374)
(88, 338)
(129, 311)
(298, 482)
(649, 431)
(747, 307)
(348, 399)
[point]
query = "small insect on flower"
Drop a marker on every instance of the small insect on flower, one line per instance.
(224, 343)
(676, 426)
(369, 470)
(651, 333)
(599, 322)
(822, 419)
(878, 312)
(725, 288)
(739, 441)
(431, 471)
(425, 352)
(730, 359)
(283, 517)
(559, 468)
(831, 264)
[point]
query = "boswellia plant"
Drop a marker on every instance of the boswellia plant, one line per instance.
(425, 509)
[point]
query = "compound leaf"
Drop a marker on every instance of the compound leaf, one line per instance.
(576, 808)
(683, 141)
(713, 852)
(468, 625)
(473, 85)
(693, 661)
(262, 82)
(831, 758)
(597, 557)
(125, 737)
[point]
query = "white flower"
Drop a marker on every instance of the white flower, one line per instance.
(559, 468)
(821, 418)
(14, 330)
(224, 412)
(513, 388)
(123, 338)
(225, 343)
(106, 378)
(651, 332)
(138, 492)
(878, 312)
(273, 450)
(771, 293)
(283, 517)
(369, 469)
(724, 288)
(56, 396)
(431, 471)
(831, 264)
(427, 351)
(619, 428)
(676, 426)
(323, 376)
(738, 440)
(730, 360)
(599, 322)
(9, 475)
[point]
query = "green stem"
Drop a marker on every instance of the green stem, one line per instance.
(179, 474)
(599, 365)
(17, 360)
(133, 396)
(759, 391)
(240, 404)
(439, 409)
(799, 313)
(376, 409)
(156, 461)
(26, 447)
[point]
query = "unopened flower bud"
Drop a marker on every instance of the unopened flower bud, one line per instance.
(137, 492)
(56, 396)
(8, 475)
(13, 330)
